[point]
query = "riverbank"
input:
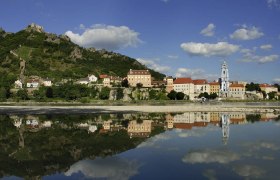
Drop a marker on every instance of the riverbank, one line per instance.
(253, 107)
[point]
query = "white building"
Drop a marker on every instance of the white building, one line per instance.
(224, 80)
(184, 85)
(201, 86)
(47, 82)
(32, 83)
(18, 84)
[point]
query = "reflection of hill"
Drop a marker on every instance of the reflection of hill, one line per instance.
(26, 153)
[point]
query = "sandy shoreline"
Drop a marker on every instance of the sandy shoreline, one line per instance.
(142, 108)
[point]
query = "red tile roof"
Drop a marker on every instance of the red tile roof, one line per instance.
(183, 81)
(199, 81)
(265, 85)
(138, 72)
(237, 85)
(102, 76)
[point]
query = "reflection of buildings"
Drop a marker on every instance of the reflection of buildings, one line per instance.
(225, 121)
(188, 120)
(170, 121)
(139, 129)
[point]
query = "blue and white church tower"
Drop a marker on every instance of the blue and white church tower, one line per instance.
(224, 80)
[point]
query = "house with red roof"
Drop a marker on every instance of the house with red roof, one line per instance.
(184, 85)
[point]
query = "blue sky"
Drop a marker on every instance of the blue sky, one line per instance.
(177, 37)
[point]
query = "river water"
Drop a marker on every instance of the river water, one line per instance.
(191, 145)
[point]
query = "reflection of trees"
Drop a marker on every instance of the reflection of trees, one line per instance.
(253, 117)
(49, 150)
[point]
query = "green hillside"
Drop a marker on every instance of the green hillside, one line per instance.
(56, 57)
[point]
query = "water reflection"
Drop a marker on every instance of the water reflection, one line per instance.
(34, 146)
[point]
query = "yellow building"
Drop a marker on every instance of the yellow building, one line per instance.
(136, 129)
(139, 76)
(214, 87)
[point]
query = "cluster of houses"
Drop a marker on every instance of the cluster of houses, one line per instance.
(190, 87)
(144, 128)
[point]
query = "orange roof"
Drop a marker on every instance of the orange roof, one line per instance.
(183, 125)
(237, 85)
(214, 83)
(199, 81)
(138, 72)
(265, 85)
(102, 76)
(183, 81)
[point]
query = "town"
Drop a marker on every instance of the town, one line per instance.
(140, 85)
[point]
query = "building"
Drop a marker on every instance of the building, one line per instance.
(201, 86)
(268, 88)
(142, 129)
(224, 81)
(32, 83)
(236, 91)
(214, 87)
(18, 84)
(184, 85)
(47, 82)
(169, 84)
(143, 77)
(91, 78)
(107, 82)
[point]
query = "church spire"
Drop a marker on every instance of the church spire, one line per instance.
(224, 80)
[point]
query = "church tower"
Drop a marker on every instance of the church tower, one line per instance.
(224, 80)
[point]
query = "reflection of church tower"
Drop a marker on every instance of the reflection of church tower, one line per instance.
(225, 128)
(224, 80)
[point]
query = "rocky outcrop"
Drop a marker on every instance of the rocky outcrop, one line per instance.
(64, 37)
(34, 27)
(76, 53)
(52, 38)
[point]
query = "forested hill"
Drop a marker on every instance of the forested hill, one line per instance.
(56, 57)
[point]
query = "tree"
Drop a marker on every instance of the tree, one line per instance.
(105, 93)
(49, 92)
(278, 86)
(264, 94)
(271, 95)
(180, 96)
(3, 94)
(253, 87)
(172, 95)
(139, 85)
(153, 94)
(22, 94)
(125, 83)
(213, 96)
(205, 94)
(119, 93)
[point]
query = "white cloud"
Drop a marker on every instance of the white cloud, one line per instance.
(276, 80)
(209, 30)
(195, 74)
(173, 56)
(107, 168)
(266, 47)
(246, 33)
(210, 156)
(166, 1)
(153, 65)
(249, 171)
(249, 57)
(207, 49)
(82, 26)
(273, 3)
(107, 37)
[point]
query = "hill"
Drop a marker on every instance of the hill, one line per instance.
(34, 52)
